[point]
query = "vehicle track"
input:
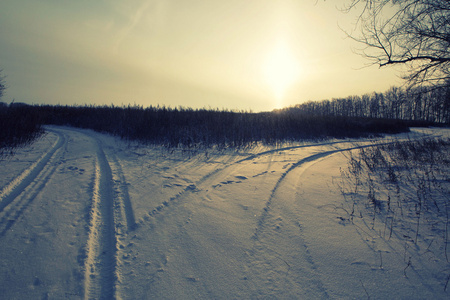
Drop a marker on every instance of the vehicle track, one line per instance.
(309, 159)
(111, 219)
(122, 206)
(112, 216)
(21, 191)
(268, 257)
(197, 185)
(100, 264)
(267, 207)
(163, 206)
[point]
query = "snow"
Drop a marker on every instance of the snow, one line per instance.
(86, 215)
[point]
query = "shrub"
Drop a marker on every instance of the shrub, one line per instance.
(20, 125)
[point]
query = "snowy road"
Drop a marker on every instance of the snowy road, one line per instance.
(86, 216)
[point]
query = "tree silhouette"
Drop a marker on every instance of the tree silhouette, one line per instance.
(2, 84)
(412, 33)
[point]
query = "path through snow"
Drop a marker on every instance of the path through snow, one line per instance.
(84, 215)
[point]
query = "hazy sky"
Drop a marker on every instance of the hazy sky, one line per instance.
(235, 54)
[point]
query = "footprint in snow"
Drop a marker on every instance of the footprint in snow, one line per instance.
(192, 187)
(74, 170)
(230, 181)
(227, 182)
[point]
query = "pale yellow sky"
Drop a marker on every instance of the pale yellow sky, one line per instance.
(232, 54)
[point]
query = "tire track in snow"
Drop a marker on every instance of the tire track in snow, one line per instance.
(18, 184)
(163, 206)
(291, 148)
(194, 187)
(124, 221)
(167, 206)
(301, 162)
(267, 257)
(100, 262)
(21, 191)
(122, 205)
(111, 219)
(267, 207)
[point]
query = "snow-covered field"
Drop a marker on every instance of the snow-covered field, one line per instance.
(85, 215)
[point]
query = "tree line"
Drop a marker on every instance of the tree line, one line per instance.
(420, 104)
(198, 128)
(393, 111)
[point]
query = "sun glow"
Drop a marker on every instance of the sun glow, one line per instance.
(281, 70)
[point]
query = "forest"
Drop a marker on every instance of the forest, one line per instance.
(425, 104)
(393, 111)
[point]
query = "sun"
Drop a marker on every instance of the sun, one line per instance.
(281, 69)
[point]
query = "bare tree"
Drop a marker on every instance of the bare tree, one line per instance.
(412, 33)
(2, 84)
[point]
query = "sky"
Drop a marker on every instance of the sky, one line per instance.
(242, 55)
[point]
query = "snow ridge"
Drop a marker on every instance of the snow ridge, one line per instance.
(20, 192)
(111, 219)
(18, 184)
(101, 246)
(124, 220)
(122, 205)
(291, 148)
(309, 159)
(195, 187)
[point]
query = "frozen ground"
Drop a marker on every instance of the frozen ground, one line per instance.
(84, 215)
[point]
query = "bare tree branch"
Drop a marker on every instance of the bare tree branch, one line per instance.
(415, 33)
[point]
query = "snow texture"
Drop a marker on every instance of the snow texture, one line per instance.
(86, 216)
